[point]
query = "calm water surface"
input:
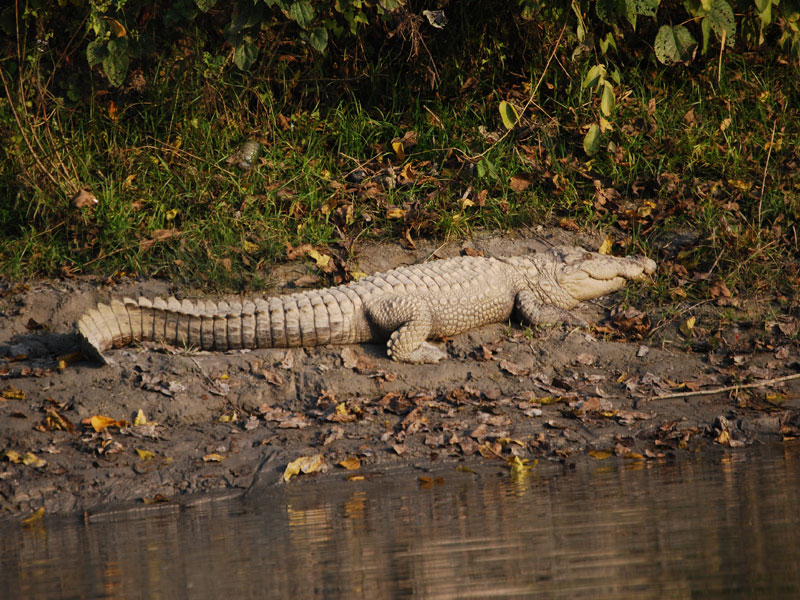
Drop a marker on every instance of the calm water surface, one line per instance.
(723, 526)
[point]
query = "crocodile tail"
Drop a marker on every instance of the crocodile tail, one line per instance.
(201, 324)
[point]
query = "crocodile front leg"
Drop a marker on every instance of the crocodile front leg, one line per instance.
(409, 320)
(533, 312)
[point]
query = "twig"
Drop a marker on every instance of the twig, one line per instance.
(729, 388)
(527, 104)
(35, 156)
(764, 178)
(721, 50)
(675, 316)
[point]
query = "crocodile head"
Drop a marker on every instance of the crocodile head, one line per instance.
(585, 275)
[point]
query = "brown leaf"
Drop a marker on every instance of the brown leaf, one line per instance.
(159, 235)
(513, 368)
(520, 182)
(84, 199)
(272, 377)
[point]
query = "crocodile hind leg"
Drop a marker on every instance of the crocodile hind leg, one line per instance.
(409, 320)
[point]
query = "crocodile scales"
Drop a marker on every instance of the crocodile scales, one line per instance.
(404, 307)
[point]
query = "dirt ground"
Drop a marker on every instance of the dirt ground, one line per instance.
(211, 424)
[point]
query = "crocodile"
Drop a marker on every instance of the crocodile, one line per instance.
(404, 307)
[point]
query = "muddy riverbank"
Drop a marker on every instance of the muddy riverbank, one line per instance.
(160, 425)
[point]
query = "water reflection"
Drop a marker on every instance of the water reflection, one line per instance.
(723, 526)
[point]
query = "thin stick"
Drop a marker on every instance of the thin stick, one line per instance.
(721, 50)
(729, 388)
(45, 171)
(527, 104)
(764, 178)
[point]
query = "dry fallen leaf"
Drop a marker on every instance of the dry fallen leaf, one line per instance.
(102, 422)
(11, 393)
(31, 460)
(520, 182)
(599, 454)
(145, 454)
(34, 518)
(304, 464)
(83, 199)
(352, 463)
(213, 457)
(605, 247)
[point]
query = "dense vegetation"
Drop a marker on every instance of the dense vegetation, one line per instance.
(673, 126)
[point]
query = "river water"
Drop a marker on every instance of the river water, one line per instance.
(717, 525)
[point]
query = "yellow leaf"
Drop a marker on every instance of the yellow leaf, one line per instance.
(508, 441)
(11, 456)
(117, 28)
(395, 213)
(599, 454)
(547, 400)
(11, 393)
(356, 275)
(229, 418)
(519, 467)
(724, 438)
(354, 477)
(304, 464)
(213, 457)
(102, 422)
(113, 111)
(322, 260)
(351, 463)
(35, 517)
(465, 203)
(140, 419)
(145, 454)
(128, 183)
(739, 184)
(605, 247)
(687, 327)
(726, 122)
(249, 246)
(508, 114)
(31, 460)
(171, 214)
(341, 408)
(399, 150)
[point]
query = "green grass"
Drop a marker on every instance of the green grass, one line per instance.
(156, 162)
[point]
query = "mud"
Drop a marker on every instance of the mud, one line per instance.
(212, 424)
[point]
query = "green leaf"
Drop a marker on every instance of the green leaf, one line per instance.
(508, 114)
(245, 55)
(597, 74)
(318, 38)
(705, 27)
(205, 5)
(608, 42)
(722, 20)
(607, 100)
(485, 168)
(391, 5)
(637, 8)
(96, 52)
(645, 8)
(674, 44)
(591, 143)
(115, 66)
(611, 11)
(302, 12)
